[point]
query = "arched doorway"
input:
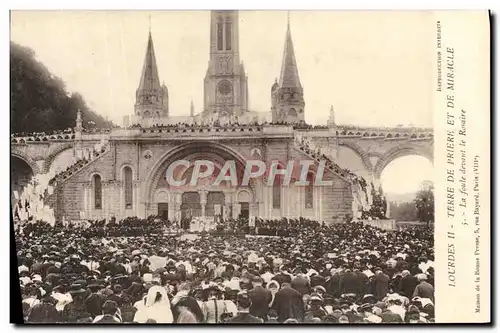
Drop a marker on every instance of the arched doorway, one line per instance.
(20, 174)
(191, 205)
(244, 202)
(206, 194)
(162, 202)
(214, 199)
(400, 181)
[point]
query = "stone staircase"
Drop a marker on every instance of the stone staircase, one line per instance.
(330, 164)
(76, 167)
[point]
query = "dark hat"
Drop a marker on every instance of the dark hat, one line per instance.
(381, 305)
(243, 299)
(369, 298)
(76, 289)
(109, 307)
(366, 307)
(320, 288)
(94, 287)
(257, 279)
(58, 289)
(82, 283)
(316, 297)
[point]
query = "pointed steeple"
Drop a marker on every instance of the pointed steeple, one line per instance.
(331, 119)
(79, 122)
(151, 98)
(149, 77)
(289, 77)
(191, 111)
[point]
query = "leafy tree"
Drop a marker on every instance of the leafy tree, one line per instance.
(404, 211)
(424, 202)
(39, 101)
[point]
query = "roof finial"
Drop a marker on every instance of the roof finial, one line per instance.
(149, 18)
(331, 120)
(288, 19)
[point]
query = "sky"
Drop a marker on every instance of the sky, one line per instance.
(374, 67)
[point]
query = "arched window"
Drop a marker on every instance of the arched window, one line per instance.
(219, 36)
(277, 193)
(292, 112)
(309, 192)
(127, 176)
(147, 114)
(228, 36)
(97, 192)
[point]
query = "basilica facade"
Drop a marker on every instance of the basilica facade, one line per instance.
(129, 177)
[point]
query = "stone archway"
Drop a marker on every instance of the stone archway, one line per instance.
(199, 150)
(194, 151)
(397, 152)
(356, 149)
(21, 172)
(52, 156)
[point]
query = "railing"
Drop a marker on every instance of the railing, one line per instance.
(75, 168)
(42, 138)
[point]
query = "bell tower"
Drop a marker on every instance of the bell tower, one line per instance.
(287, 95)
(151, 98)
(225, 86)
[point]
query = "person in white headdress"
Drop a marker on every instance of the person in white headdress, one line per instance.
(156, 307)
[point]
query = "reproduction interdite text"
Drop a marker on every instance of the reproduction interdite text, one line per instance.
(459, 197)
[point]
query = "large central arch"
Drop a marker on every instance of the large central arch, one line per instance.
(210, 150)
(399, 151)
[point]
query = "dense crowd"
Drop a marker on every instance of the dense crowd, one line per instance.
(68, 131)
(42, 134)
(124, 273)
(301, 125)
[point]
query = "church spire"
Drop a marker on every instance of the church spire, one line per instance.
(289, 77)
(149, 77)
(191, 111)
(331, 119)
(151, 98)
(287, 95)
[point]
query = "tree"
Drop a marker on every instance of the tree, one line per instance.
(424, 202)
(403, 211)
(39, 101)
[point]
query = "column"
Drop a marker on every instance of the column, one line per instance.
(284, 201)
(203, 201)
(261, 200)
(86, 198)
(320, 203)
(300, 205)
(171, 206)
(136, 197)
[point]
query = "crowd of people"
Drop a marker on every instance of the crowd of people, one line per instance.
(42, 134)
(301, 125)
(127, 273)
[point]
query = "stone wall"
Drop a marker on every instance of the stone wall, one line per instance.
(330, 204)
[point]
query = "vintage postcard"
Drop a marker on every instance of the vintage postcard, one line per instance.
(225, 166)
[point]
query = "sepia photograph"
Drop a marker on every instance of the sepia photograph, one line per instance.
(223, 167)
